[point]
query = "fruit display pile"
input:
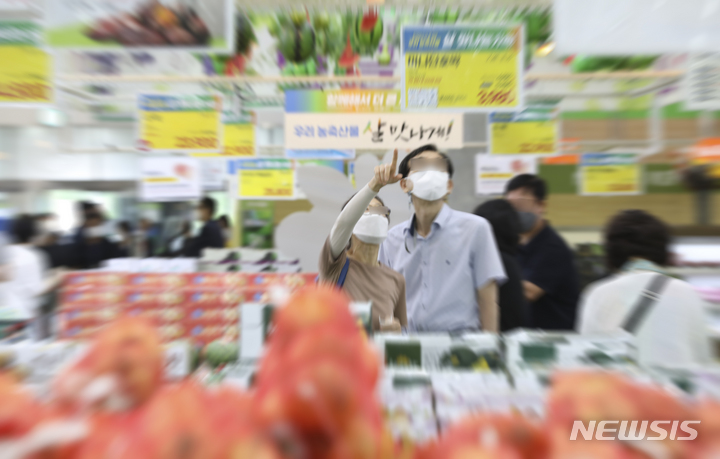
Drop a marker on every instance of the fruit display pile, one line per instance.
(154, 24)
(314, 397)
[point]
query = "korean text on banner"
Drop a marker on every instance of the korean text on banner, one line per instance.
(265, 179)
(610, 174)
(342, 101)
(24, 68)
(493, 172)
(187, 123)
(524, 133)
(462, 67)
(173, 178)
(326, 131)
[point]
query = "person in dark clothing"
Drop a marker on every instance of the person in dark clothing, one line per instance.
(506, 227)
(547, 263)
(84, 208)
(94, 247)
(211, 235)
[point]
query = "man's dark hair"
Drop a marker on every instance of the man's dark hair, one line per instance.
(530, 182)
(94, 215)
(23, 228)
(125, 226)
(404, 167)
(86, 206)
(208, 203)
(505, 223)
(224, 220)
(636, 234)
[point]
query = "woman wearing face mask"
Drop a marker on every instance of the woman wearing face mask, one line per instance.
(349, 256)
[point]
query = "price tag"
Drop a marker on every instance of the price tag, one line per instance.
(470, 67)
(523, 137)
(25, 75)
(266, 179)
(180, 123)
(610, 174)
(239, 140)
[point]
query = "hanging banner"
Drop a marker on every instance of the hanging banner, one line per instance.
(382, 131)
(212, 174)
(264, 178)
(493, 172)
(141, 24)
(533, 132)
(342, 101)
(25, 69)
(320, 154)
(185, 123)
(701, 82)
(462, 67)
(610, 174)
(172, 178)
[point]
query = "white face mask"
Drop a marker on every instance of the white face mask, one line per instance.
(96, 231)
(371, 229)
(429, 185)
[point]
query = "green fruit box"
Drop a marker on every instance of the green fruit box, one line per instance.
(547, 351)
(441, 352)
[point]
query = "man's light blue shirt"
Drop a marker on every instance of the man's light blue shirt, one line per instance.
(444, 270)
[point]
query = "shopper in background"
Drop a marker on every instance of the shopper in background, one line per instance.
(84, 208)
(665, 314)
(451, 264)
(550, 278)
(178, 243)
(211, 235)
(124, 238)
(95, 246)
(146, 238)
(26, 267)
(224, 223)
(47, 239)
(505, 223)
(349, 258)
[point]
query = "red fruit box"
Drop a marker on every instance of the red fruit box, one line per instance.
(212, 299)
(94, 280)
(257, 295)
(203, 316)
(204, 334)
(99, 298)
(157, 281)
(154, 298)
(80, 332)
(215, 280)
(88, 315)
(292, 280)
(158, 315)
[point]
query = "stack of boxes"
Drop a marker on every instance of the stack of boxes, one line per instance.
(199, 307)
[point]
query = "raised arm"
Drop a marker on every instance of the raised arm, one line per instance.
(342, 229)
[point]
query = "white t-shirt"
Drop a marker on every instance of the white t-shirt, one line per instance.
(673, 333)
(26, 270)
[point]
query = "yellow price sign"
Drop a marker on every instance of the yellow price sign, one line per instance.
(24, 74)
(472, 67)
(238, 141)
(608, 174)
(266, 179)
(180, 123)
(523, 137)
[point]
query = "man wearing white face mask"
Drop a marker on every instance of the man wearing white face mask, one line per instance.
(95, 246)
(449, 258)
(349, 256)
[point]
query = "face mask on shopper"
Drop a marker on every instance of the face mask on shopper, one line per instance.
(527, 221)
(371, 229)
(95, 232)
(429, 185)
